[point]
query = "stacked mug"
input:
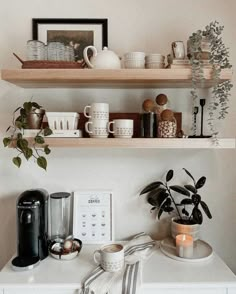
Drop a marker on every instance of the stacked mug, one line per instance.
(98, 114)
(134, 60)
(155, 60)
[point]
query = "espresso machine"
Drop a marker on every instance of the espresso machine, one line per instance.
(32, 229)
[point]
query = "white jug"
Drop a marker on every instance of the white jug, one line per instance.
(106, 59)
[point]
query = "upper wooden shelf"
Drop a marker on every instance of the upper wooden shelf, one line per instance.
(100, 78)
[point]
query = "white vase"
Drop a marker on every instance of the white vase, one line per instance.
(191, 229)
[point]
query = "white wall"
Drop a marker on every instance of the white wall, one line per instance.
(150, 26)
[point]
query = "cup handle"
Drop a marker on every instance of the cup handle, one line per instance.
(85, 111)
(96, 260)
(87, 127)
(85, 54)
(109, 127)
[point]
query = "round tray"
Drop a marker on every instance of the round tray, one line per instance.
(201, 250)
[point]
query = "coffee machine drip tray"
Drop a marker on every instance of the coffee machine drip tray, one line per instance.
(24, 263)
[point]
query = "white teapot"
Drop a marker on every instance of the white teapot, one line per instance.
(106, 59)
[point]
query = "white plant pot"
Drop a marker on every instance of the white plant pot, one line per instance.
(192, 230)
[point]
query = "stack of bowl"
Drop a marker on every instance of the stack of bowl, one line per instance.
(134, 60)
(155, 60)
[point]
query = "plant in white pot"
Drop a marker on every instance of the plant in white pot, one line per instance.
(183, 201)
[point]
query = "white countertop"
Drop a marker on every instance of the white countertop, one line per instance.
(159, 271)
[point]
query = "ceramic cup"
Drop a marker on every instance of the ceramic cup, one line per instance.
(97, 128)
(110, 257)
(178, 49)
(97, 111)
(122, 128)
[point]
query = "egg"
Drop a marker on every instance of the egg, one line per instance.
(148, 105)
(161, 99)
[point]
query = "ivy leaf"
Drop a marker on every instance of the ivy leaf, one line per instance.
(17, 109)
(28, 152)
(47, 150)
(151, 187)
(169, 175)
(36, 105)
(18, 124)
(206, 209)
(180, 190)
(47, 131)
(39, 139)
(42, 162)
(27, 106)
(17, 161)
(6, 141)
(22, 144)
(200, 183)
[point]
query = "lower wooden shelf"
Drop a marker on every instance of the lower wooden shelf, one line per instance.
(144, 143)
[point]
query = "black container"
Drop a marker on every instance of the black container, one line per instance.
(149, 123)
(32, 229)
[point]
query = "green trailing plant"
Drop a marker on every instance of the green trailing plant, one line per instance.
(28, 148)
(219, 59)
(164, 197)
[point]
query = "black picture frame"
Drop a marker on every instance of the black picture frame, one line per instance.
(100, 26)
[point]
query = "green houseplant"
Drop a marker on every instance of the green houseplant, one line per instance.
(184, 201)
(218, 56)
(28, 116)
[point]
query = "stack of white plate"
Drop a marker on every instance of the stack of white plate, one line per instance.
(134, 60)
(155, 60)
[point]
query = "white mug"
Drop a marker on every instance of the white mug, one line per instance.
(122, 128)
(97, 128)
(111, 257)
(97, 111)
(178, 49)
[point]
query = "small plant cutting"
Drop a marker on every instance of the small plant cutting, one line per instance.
(29, 116)
(164, 197)
(206, 47)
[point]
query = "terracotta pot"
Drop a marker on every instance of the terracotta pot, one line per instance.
(191, 229)
(35, 118)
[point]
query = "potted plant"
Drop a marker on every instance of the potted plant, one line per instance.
(30, 117)
(206, 46)
(184, 201)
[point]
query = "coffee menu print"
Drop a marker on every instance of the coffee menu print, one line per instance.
(93, 216)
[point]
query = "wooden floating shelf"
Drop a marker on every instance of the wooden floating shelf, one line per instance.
(142, 143)
(105, 78)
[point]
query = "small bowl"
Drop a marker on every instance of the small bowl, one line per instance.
(134, 64)
(56, 250)
(134, 55)
(155, 65)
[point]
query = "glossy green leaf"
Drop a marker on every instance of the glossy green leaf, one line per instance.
(180, 190)
(17, 161)
(189, 174)
(197, 216)
(191, 188)
(196, 198)
(206, 209)
(28, 152)
(27, 106)
(156, 197)
(201, 182)
(42, 162)
(151, 187)
(186, 201)
(169, 175)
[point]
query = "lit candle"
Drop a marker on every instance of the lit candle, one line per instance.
(184, 246)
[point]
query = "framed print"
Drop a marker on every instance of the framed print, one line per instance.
(93, 216)
(78, 33)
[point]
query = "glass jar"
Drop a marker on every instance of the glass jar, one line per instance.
(56, 51)
(35, 50)
(69, 53)
(59, 215)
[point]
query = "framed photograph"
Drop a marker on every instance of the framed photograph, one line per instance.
(93, 216)
(78, 33)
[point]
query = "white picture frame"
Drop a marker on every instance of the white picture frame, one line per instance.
(93, 221)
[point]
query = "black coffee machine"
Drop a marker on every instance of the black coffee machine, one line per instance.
(32, 229)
